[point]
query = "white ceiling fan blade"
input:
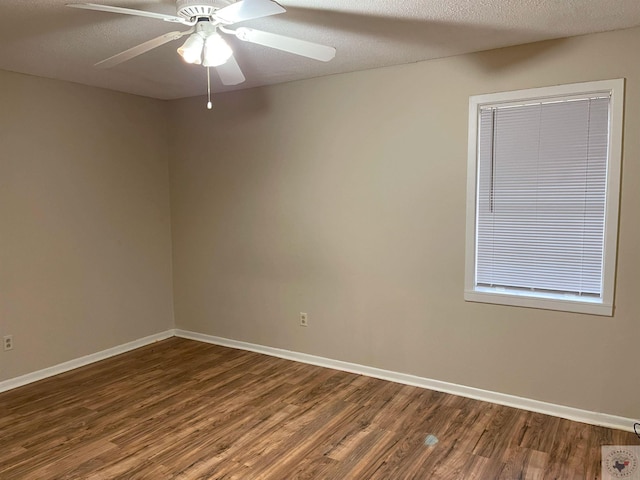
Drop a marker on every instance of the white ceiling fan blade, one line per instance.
(248, 10)
(128, 11)
(142, 48)
(230, 73)
(287, 44)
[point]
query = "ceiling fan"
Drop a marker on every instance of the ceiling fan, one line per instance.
(205, 46)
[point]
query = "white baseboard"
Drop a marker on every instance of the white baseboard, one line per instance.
(82, 361)
(570, 413)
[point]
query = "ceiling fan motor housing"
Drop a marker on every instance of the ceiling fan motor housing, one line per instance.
(200, 8)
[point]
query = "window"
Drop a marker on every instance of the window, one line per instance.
(542, 197)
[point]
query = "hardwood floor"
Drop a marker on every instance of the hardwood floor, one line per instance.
(181, 409)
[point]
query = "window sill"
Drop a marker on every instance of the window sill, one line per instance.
(545, 302)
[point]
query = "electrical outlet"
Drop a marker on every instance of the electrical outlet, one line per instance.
(304, 319)
(7, 342)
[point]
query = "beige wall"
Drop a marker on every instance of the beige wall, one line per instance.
(85, 260)
(344, 197)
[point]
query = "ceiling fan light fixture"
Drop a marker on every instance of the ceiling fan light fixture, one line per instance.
(191, 50)
(216, 51)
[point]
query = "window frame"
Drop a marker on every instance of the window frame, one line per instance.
(596, 306)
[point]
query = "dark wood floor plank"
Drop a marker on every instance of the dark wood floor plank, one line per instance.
(180, 409)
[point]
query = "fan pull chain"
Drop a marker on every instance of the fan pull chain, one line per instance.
(209, 104)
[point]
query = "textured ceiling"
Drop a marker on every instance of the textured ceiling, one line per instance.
(45, 38)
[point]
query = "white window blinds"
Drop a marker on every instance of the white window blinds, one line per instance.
(541, 194)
